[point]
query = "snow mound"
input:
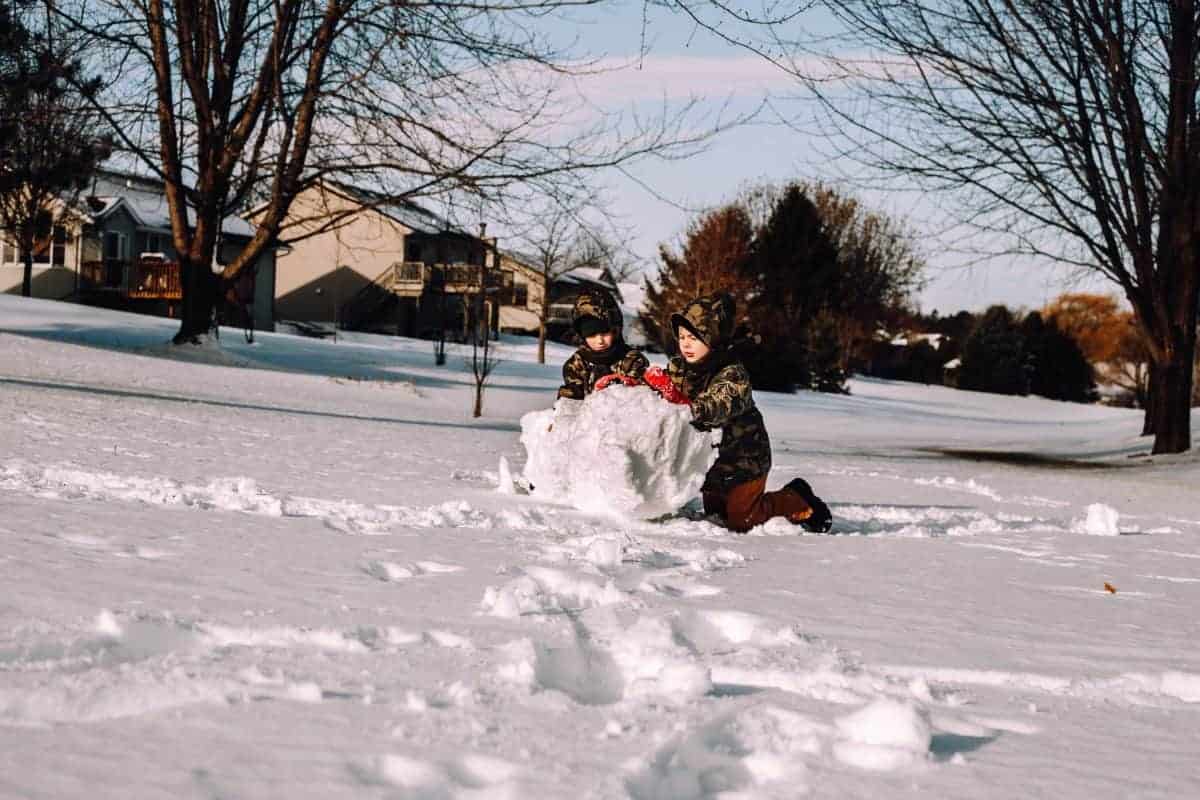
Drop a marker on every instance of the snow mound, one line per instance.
(610, 660)
(469, 775)
(622, 451)
(758, 752)
(885, 735)
(1101, 520)
(543, 590)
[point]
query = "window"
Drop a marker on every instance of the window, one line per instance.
(114, 246)
(152, 243)
(8, 250)
(58, 246)
(49, 251)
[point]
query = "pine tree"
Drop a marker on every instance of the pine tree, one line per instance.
(824, 356)
(795, 269)
(50, 146)
(1055, 365)
(993, 355)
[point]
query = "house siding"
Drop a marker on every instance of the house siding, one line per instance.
(321, 273)
(49, 283)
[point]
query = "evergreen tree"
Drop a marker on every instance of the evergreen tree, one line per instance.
(790, 255)
(993, 357)
(824, 356)
(49, 145)
(795, 269)
(924, 364)
(1055, 365)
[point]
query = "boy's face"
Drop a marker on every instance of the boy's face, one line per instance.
(599, 342)
(691, 348)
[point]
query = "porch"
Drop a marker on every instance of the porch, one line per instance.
(414, 278)
(144, 279)
(406, 294)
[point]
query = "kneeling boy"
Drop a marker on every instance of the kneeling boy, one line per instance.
(708, 375)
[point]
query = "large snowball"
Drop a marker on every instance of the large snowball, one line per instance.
(623, 451)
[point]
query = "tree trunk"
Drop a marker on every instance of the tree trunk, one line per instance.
(1149, 405)
(478, 411)
(541, 340)
(27, 277)
(199, 299)
(1172, 394)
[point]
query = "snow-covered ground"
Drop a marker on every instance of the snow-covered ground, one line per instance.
(284, 570)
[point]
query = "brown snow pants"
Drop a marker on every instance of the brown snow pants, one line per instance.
(749, 504)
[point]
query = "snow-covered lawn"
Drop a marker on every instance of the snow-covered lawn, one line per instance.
(284, 570)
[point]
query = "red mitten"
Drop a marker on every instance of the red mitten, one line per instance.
(660, 382)
(603, 382)
(613, 377)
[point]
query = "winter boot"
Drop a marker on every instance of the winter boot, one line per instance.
(821, 519)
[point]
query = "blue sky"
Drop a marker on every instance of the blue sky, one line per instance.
(661, 196)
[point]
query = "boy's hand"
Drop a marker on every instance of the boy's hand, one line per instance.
(660, 382)
(614, 377)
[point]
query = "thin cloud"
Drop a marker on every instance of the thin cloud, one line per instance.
(612, 81)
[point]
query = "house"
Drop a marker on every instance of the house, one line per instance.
(116, 250)
(360, 260)
(523, 313)
(566, 287)
(633, 299)
(908, 356)
(55, 264)
(950, 372)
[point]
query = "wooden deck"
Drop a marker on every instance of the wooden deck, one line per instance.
(145, 279)
(413, 278)
(417, 280)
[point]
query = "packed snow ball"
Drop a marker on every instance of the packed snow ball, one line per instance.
(622, 451)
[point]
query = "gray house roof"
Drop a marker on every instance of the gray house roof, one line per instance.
(146, 201)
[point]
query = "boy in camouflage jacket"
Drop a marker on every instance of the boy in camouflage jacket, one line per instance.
(708, 375)
(597, 319)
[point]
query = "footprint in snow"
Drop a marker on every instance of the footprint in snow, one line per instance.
(390, 572)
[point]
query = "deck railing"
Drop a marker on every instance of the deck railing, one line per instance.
(153, 279)
(144, 279)
(559, 312)
(415, 278)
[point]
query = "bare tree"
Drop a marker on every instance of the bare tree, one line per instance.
(1069, 128)
(880, 270)
(253, 101)
(482, 363)
(564, 233)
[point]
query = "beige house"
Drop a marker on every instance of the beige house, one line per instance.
(529, 292)
(361, 261)
(55, 264)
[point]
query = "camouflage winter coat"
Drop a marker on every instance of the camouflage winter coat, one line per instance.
(596, 304)
(719, 388)
(586, 366)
